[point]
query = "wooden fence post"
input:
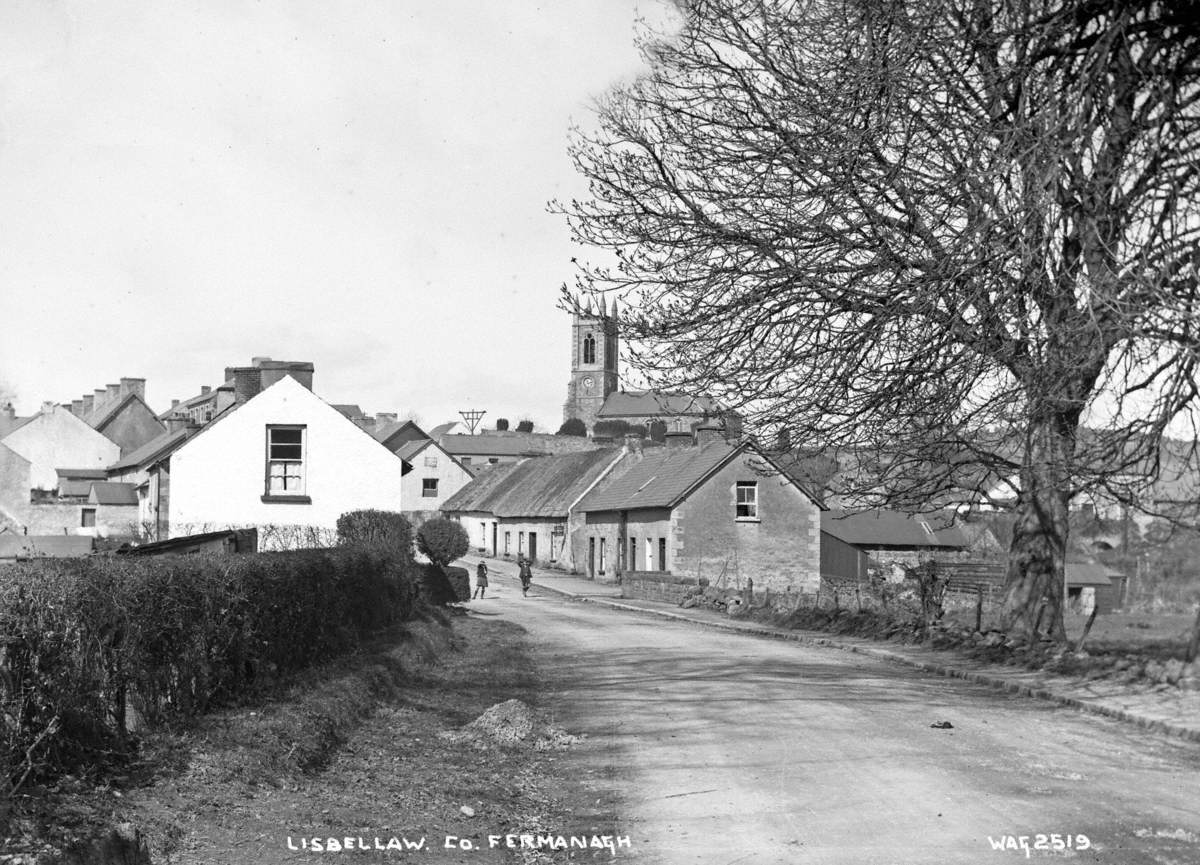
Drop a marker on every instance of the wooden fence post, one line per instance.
(1087, 628)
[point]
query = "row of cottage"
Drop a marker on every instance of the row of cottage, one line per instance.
(262, 450)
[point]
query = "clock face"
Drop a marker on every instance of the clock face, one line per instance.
(587, 382)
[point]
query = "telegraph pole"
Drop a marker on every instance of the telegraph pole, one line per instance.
(472, 418)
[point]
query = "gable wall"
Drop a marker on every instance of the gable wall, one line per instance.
(133, 426)
(218, 478)
(58, 439)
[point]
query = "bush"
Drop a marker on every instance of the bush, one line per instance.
(460, 582)
(170, 637)
(657, 430)
(442, 540)
(613, 429)
(375, 528)
(572, 426)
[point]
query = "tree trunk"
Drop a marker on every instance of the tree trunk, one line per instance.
(1037, 558)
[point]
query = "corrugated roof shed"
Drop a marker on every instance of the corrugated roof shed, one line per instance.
(880, 528)
(113, 493)
(662, 478)
(623, 403)
(1090, 574)
(43, 546)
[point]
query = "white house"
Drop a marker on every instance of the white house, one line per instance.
(435, 476)
(53, 439)
(282, 461)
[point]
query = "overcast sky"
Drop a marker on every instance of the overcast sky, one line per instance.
(359, 184)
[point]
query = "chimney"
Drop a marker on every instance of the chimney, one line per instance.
(133, 385)
(247, 383)
(259, 361)
(382, 417)
(177, 422)
(205, 390)
(678, 439)
(113, 392)
(228, 374)
(77, 407)
(100, 397)
(87, 403)
(709, 433)
(633, 444)
(174, 404)
(49, 407)
(274, 370)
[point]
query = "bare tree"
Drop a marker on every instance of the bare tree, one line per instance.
(953, 241)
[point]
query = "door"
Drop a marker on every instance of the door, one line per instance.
(533, 546)
(495, 536)
(591, 558)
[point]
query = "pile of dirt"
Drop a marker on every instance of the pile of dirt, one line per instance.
(512, 724)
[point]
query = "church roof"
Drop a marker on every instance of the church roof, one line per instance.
(623, 404)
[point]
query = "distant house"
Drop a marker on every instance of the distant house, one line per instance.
(281, 460)
(120, 413)
(482, 450)
(148, 470)
(529, 508)
(895, 538)
(642, 408)
(53, 438)
(703, 510)
(17, 548)
(432, 475)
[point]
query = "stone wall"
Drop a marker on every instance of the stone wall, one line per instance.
(654, 586)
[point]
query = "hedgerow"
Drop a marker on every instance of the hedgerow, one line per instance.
(92, 649)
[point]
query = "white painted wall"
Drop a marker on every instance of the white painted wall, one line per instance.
(451, 478)
(56, 439)
(218, 477)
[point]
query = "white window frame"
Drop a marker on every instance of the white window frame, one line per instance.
(292, 471)
(745, 507)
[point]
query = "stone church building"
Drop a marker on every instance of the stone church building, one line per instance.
(594, 393)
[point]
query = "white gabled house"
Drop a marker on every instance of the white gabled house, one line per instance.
(281, 460)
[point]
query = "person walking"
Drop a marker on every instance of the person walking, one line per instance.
(526, 572)
(480, 581)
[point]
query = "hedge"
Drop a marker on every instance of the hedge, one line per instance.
(92, 648)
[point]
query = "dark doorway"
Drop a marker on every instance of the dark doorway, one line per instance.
(591, 558)
(533, 546)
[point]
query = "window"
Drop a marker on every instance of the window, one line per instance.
(589, 349)
(87, 518)
(285, 461)
(520, 543)
(507, 542)
(493, 460)
(431, 461)
(429, 488)
(662, 554)
(602, 556)
(466, 461)
(650, 555)
(633, 563)
(747, 500)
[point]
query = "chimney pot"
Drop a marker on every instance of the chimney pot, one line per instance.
(205, 390)
(247, 383)
(49, 407)
(174, 403)
(112, 391)
(87, 401)
(77, 407)
(133, 385)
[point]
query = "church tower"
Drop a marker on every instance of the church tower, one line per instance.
(594, 353)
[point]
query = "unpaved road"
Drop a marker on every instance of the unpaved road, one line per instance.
(736, 749)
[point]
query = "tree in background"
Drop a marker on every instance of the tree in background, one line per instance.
(950, 241)
(525, 426)
(501, 424)
(613, 429)
(572, 426)
(442, 540)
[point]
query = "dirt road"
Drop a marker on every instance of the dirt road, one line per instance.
(735, 749)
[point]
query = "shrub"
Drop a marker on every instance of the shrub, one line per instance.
(375, 528)
(572, 426)
(170, 637)
(610, 428)
(460, 582)
(658, 430)
(442, 540)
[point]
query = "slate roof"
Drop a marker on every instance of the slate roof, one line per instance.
(879, 528)
(113, 493)
(80, 474)
(153, 450)
(661, 479)
(74, 488)
(109, 410)
(14, 546)
(486, 445)
(542, 487)
(408, 450)
(350, 410)
(649, 403)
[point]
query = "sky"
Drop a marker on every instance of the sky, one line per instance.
(358, 184)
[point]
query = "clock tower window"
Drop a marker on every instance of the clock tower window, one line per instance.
(589, 349)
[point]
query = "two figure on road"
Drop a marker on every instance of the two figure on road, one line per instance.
(480, 580)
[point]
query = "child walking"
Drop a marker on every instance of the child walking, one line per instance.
(480, 580)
